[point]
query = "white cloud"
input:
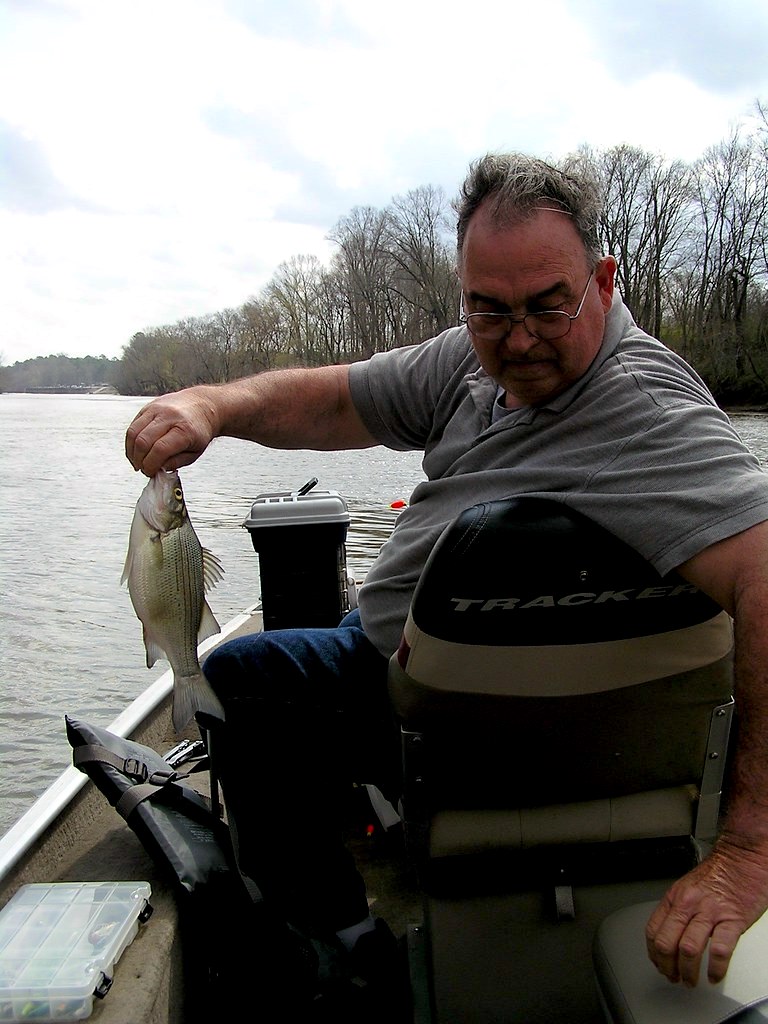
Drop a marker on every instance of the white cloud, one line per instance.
(164, 156)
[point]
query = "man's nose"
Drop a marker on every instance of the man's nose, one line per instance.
(519, 341)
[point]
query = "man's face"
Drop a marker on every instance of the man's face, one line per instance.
(528, 267)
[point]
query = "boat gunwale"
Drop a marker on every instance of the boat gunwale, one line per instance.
(27, 830)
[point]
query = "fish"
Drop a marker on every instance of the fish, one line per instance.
(168, 573)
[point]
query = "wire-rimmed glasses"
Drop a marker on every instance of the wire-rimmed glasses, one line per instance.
(546, 325)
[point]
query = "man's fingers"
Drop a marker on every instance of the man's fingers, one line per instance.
(677, 938)
(152, 444)
(678, 950)
(662, 939)
(691, 948)
(724, 939)
(141, 436)
(676, 947)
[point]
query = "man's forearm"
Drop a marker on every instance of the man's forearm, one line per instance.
(295, 408)
(280, 409)
(747, 793)
(725, 894)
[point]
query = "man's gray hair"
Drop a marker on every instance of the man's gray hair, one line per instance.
(515, 185)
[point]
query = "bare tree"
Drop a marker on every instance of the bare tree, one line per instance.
(260, 336)
(730, 251)
(644, 225)
(295, 290)
(148, 365)
(419, 241)
(364, 271)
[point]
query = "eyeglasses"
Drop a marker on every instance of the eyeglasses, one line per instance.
(547, 325)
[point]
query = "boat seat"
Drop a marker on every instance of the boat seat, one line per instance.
(633, 992)
(552, 688)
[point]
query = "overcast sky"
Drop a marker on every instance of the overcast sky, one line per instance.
(160, 158)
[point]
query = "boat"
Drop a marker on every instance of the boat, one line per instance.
(518, 875)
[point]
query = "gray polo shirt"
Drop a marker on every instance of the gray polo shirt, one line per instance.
(638, 444)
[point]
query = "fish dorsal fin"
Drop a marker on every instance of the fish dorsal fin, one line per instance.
(213, 571)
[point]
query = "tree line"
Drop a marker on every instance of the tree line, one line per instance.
(690, 240)
(59, 371)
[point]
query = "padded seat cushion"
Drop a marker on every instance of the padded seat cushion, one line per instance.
(635, 993)
(661, 813)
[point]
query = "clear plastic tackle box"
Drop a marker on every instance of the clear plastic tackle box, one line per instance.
(59, 943)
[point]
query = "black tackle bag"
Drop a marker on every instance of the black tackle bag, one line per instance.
(230, 939)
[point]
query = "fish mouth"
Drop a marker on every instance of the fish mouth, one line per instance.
(159, 505)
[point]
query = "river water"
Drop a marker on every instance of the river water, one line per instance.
(70, 642)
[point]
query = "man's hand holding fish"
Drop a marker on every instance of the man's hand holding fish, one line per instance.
(172, 432)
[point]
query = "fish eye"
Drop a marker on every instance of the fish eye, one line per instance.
(178, 493)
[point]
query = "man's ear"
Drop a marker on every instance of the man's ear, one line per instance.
(605, 275)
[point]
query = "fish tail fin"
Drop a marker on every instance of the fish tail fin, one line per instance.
(191, 694)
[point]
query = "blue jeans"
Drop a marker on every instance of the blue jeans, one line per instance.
(307, 715)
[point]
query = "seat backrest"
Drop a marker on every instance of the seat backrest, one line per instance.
(545, 654)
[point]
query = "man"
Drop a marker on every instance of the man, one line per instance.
(549, 390)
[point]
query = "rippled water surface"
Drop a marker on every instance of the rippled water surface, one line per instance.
(69, 639)
(753, 429)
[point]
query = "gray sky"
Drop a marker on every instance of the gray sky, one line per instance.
(160, 158)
